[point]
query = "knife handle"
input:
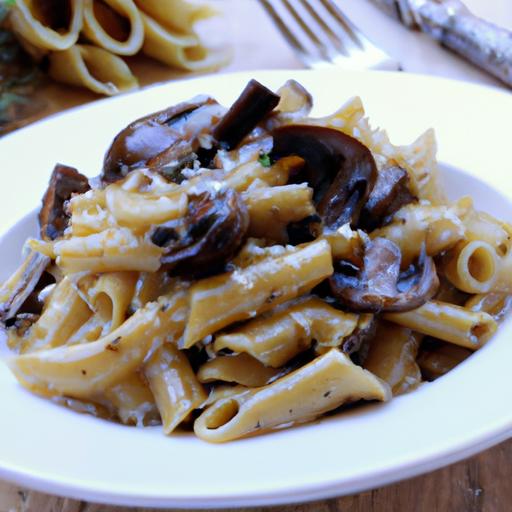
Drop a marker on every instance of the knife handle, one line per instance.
(481, 42)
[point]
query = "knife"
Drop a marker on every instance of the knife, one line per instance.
(452, 24)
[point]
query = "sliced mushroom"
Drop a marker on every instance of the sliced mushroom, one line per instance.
(255, 102)
(21, 284)
(379, 285)
(164, 140)
(340, 169)
(390, 192)
(64, 182)
(209, 235)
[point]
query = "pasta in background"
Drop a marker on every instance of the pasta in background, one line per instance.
(238, 270)
(85, 40)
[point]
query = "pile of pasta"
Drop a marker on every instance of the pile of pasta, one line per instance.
(85, 40)
(236, 271)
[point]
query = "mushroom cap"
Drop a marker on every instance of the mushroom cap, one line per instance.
(338, 167)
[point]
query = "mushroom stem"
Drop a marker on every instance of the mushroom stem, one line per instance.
(22, 283)
(255, 102)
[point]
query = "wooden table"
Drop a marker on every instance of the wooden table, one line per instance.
(481, 483)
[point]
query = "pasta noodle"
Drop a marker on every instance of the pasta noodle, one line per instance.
(276, 338)
(246, 269)
(322, 385)
(105, 24)
(449, 323)
(392, 357)
(56, 323)
(272, 209)
(270, 282)
(240, 369)
(175, 387)
(95, 68)
(176, 14)
(36, 25)
(133, 401)
(111, 28)
(84, 370)
(415, 225)
(178, 50)
(109, 251)
(472, 267)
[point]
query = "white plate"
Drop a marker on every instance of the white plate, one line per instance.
(57, 451)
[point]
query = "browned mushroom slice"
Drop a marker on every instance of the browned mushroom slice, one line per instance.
(168, 138)
(339, 168)
(22, 283)
(211, 232)
(390, 192)
(379, 285)
(64, 182)
(255, 102)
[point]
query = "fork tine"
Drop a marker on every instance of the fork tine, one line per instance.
(360, 48)
(324, 44)
(341, 45)
(304, 26)
(321, 35)
(351, 30)
(285, 31)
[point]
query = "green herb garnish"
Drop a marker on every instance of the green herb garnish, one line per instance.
(264, 160)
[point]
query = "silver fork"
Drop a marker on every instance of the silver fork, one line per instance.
(322, 36)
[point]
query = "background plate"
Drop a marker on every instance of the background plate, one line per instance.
(57, 451)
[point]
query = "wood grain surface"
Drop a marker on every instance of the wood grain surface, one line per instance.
(480, 484)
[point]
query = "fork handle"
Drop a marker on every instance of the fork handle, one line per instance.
(479, 41)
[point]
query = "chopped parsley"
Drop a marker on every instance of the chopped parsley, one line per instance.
(264, 159)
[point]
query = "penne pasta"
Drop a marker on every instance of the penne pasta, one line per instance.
(223, 391)
(140, 211)
(178, 50)
(472, 267)
(239, 369)
(57, 324)
(47, 28)
(281, 335)
(272, 209)
(111, 296)
(133, 401)
(251, 291)
(438, 360)
(178, 15)
(89, 214)
(175, 387)
(114, 25)
(439, 228)
(496, 304)
(245, 269)
(91, 67)
(320, 386)
(448, 322)
(109, 251)
(86, 370)
(392, 357)
(242, 177)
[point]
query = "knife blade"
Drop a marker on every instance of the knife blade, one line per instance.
(452, 24)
